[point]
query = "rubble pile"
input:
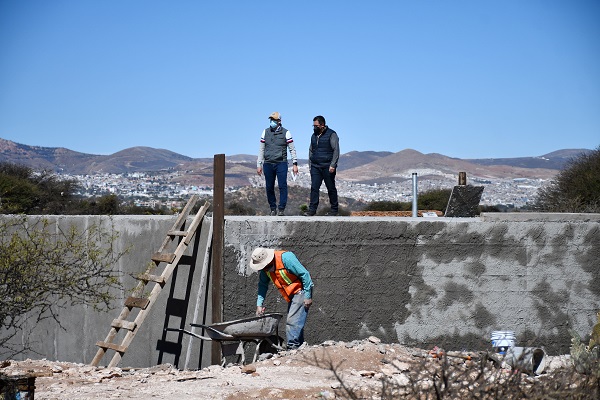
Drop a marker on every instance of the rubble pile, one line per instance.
(364, 368)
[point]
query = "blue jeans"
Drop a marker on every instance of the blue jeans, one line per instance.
(319, 175)
(279, 171)
(296, 318)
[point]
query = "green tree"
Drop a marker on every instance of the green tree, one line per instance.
(436, 199)
(44, 269)
(388, 206)
(576, 188)
(24, 191)
(237, 208)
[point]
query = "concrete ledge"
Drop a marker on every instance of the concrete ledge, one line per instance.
(527, 216)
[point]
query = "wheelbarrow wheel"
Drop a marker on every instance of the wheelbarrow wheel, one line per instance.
(271, 344)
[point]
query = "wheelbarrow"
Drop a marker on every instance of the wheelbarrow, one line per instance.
(235, 335)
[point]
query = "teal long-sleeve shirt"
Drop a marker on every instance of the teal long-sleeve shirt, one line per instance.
(292, 264)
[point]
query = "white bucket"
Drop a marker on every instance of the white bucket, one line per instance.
(502, 340)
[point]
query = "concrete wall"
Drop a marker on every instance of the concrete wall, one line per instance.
(418, 281)
(431, 281)
(179, 304)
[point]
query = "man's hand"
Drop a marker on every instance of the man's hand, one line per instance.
(307, 303)
(331, 170)
(259, 171)
(260, 310)
(295, 170)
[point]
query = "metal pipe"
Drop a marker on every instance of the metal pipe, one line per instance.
(414, 202)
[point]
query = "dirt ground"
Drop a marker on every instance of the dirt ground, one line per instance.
(331, 370)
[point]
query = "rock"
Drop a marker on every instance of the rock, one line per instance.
(328, 343)
(402, 380)
(336, 385)
(374, 339)
(277, 362)
(366, 373)
(326, 394)
(249, 369)
(401, 365)
(265, 356)
(57, 369)
(214, 368)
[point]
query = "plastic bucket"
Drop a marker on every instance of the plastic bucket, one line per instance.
(531, 360)
(502, 340)
(17, 387)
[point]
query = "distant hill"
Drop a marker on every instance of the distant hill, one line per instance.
(59, 159)
(359, 166)
(554, 160)
(400, 166)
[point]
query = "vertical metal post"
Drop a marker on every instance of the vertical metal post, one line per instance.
(217, 248)
(462, 178)
(415, 195)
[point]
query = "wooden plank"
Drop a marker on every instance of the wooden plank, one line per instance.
(138, 302)
(196, 221)
(180, 220)
(152, 278)
(217, 247)
(112, 346)
(177, 233)
(201, 292)
(117, 323)
(163, 257)
(111, 335)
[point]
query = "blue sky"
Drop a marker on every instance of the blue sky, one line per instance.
(467, 79)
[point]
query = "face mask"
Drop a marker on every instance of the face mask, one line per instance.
(273, 124)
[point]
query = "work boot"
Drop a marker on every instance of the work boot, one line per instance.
(332, 214)
(281, 212)
(309, 213)
(273, 212)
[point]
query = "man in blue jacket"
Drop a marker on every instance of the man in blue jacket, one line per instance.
(323, 155)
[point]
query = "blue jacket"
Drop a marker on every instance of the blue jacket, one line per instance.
(324, 150)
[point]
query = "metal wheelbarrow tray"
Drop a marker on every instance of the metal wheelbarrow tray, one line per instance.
(240, 332)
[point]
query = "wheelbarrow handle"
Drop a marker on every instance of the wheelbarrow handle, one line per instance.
(221, 335)
(188, 332)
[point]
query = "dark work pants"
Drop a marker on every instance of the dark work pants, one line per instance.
(279, 171)
(319, 175)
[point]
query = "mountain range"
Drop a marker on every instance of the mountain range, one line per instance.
(359, 166)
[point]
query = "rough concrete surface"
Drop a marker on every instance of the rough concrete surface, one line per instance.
(430, 281)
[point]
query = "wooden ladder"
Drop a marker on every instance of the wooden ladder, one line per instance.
(139, 299)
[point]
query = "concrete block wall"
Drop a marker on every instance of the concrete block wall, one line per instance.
(418, 281)
(431, 281)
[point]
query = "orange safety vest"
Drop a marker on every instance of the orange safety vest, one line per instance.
(287, 283)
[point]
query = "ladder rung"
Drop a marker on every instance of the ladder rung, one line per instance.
(177, 233)
(117, 323)
(163, 257)
(138, 302)
(112, 346)
(152, 278)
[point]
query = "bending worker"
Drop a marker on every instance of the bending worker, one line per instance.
(294, 283)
